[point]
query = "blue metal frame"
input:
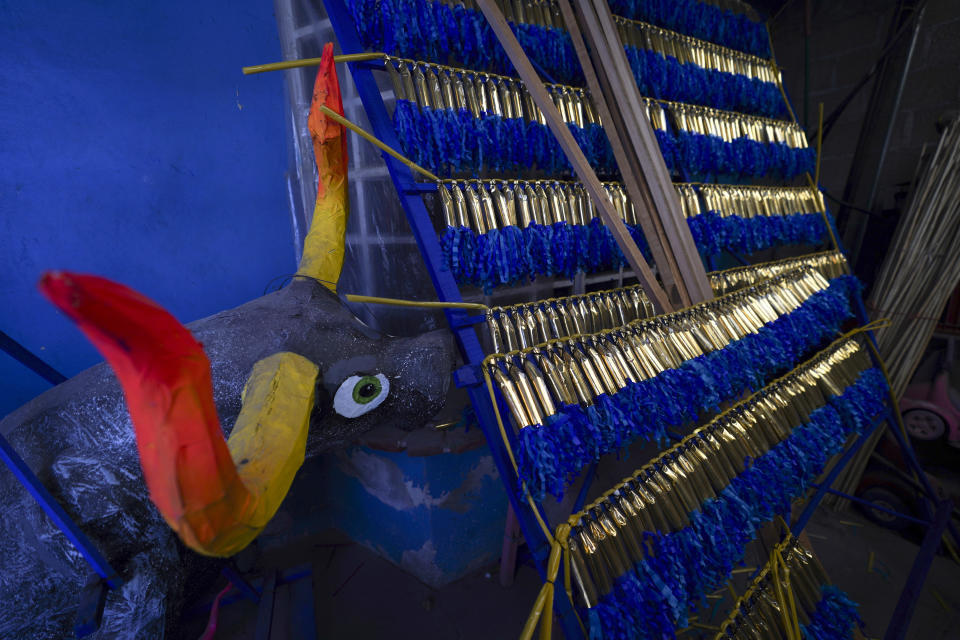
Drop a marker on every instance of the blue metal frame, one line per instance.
(470, 376)
(874, 506)
(30, 360)
(838, 466)
(461, 324)
(907, 603)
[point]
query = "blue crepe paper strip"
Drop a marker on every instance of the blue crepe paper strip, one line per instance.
(427, 30)
(834, 618)
(700, 20)
(714, 233)
(511, 255)
(709, 158)
(567, 249)
(448, 141)
(666, 78)
(685, 565)
(549, 456)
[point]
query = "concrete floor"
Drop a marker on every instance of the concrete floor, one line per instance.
(845, 542)
(359, 595)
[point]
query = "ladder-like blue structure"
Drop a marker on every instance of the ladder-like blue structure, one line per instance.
(470, 375)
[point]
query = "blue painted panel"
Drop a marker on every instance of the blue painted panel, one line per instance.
(131, 146)
(439, 517)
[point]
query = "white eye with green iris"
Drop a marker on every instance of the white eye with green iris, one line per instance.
(358, 395)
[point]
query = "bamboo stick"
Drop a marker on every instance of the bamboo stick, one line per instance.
(920, 271)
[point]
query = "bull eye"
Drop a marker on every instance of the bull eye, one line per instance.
(358, 395)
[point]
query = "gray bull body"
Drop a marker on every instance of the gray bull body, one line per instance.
(78, 439)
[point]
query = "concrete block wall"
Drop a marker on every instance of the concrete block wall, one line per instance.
(846, 39)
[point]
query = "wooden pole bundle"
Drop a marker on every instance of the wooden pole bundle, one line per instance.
(921, 270)
(581, 166)
(615, 93)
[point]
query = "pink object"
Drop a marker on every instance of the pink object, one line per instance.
(211, 629)
(928, 411)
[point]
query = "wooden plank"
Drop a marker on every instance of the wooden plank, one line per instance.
(613, 123)
(613, 90)
(640, 133)
(572, 150)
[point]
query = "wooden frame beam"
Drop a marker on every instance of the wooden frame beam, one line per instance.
(575, 155)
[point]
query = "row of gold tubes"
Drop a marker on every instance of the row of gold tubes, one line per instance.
(758, 613)
(749, 201)
(542, 12)
(689, 50)
(482, 205)
(684, 48)
(830, 264)
(442, 87)
(726, 125)
(535, 380)
(526, 325)
(606, 538)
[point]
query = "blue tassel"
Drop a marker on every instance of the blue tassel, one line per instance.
(707, 157)
(563, 259)
(665, 78)
(593, 622)
(835, 617)
(517, 255)
(677, 396)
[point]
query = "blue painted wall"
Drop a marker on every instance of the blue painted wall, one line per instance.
(132, 147)
(439, 517)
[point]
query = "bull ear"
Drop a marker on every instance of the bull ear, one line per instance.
(216, 495)
(323, 248)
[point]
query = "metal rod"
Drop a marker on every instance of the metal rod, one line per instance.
(901, 83)
(902, 614)
(248, 590)
(28, 359)
(874, 506)
(336, 117)
(814, 501)
(430, 304)
(309, 62)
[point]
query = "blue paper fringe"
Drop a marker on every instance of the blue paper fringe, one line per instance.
(685, 565)
(435, 31)
(714, 233)
(550, 456)
(428, 30)
(449, 142)
(708, 158)
(566, 249)
(666, 78)
(511, 255)
(834, 618)
(700, 20)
